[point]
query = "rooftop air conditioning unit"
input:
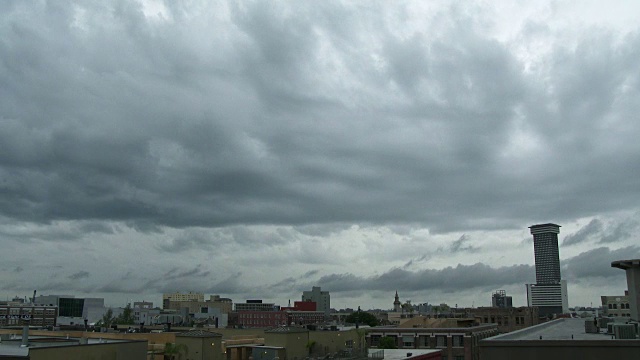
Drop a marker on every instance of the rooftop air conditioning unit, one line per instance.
(624, 331)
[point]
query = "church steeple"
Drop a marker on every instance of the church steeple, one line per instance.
(397, 307)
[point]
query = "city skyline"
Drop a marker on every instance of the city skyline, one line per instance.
(260, 149)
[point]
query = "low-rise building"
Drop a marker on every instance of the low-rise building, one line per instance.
(561, 339)
(19, 314)
(68, 348)
(616, 306)
(457, 343)
(507, 319)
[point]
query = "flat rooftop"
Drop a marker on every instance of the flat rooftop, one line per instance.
(399, 354)
(559, 329)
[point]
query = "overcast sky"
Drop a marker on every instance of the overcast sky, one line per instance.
(256, 149)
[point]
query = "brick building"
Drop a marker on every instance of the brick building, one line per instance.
(457, 343)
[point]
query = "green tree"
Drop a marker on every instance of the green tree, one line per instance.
(126, 318)
(175, 351)
(310, 345)
(107, 319)
(361, 317)
(387, 342)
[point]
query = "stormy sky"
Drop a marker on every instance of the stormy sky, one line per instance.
(256, 149)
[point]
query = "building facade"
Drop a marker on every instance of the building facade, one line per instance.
(167, 298)
(28, 314)
(321, 298)
(501, 300)
(549, 293)
(72, 310)
(632, 270)
(256, 305)
(507, 319)
(459, 343)
(261, 319)
(616, 306)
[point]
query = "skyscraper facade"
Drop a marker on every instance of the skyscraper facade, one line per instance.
(549, 293)
(547, 256)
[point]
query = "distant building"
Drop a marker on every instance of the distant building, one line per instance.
(501, 300)
(457, 343)
(321, 298)
(19, 314)
(144, 312)
(397, 306)
(167, 298)
(549, 293)
(261, 319)
(507, 319)
(256, 305)
(72, 310)
(616, 306)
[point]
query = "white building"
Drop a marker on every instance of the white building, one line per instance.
(552, 296)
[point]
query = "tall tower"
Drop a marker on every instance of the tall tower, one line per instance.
(545, 248)
(549, 293)
(397, 307)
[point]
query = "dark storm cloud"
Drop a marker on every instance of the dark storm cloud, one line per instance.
(462, 276)
(585, 233)
(616, 230)
(597, 263)
(287, 113)
(462, 244)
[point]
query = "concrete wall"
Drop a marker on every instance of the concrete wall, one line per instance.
(560, 350)
(113, 351)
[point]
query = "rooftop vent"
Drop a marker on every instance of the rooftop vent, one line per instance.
(624, 331)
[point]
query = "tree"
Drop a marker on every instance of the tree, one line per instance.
(362, 318)
(175, 351)
(310, 345)
(126, 318)
(107, 319)
(387, 342)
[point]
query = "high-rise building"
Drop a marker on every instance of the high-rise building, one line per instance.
(501, 300)
(549, 293)
(545, 248)
(321, 298)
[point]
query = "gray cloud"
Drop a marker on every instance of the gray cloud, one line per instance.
(282, 125)
(462, 244)
(79, 275)
(594, 227)
(597, 263)
(203, 161)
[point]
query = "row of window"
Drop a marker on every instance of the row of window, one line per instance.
(263, 316)
(423, 341)
(622, 306)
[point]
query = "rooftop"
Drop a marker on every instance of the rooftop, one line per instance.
(626, 264)
(199, 333)
(559, 329)
(398, 354)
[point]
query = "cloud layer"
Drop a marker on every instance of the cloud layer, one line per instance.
(420, 135)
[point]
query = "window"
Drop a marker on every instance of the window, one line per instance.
(441, 341)
(458, 340)
(375, 340)
(407, 341)
(423, 341)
